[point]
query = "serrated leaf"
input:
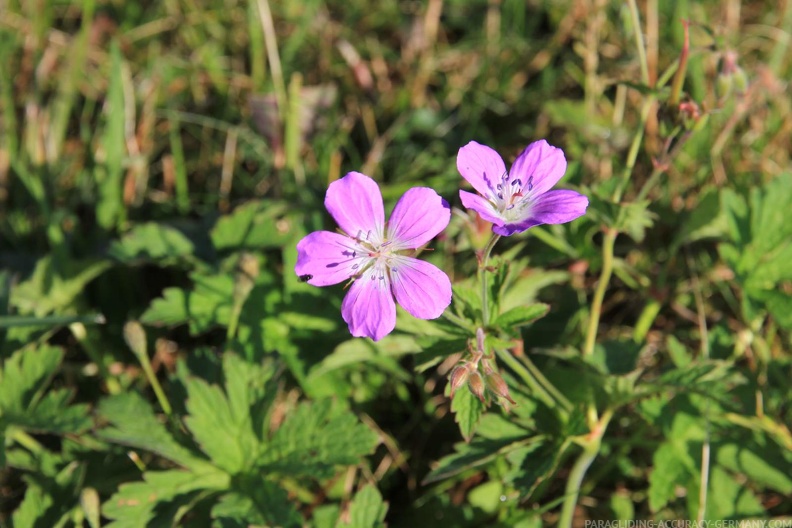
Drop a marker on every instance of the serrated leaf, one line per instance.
(315, 439)
(367, 509)
(636, 219)
(531, 465)
(764, 464)
(134, 424)
(134, 504)
(467, 411)
(473, 455)
(24, 376)
(224, 433)
(668, 471)
(208, 304)
(727, 498)
(152, 242)
(521, 315)
(259, 503)
(49, 289)
(53, 414)
(30, 511)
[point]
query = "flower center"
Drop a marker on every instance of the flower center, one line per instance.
(510, 198)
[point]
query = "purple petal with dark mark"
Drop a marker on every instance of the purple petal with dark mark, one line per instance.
(539, 167)
(481, 166)
(368, 307)
(484, 208)
(329, 258)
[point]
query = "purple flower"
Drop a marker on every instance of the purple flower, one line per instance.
(521, 198)
(372, 253)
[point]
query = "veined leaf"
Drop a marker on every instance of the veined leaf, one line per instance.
(207, 305)
(259, 503)
(49, 289)
(467, 411)
(152, 241)
(314, 439)
(521, 315)
(133, 504)
(24, 376)
(367, 509)
(134, 424)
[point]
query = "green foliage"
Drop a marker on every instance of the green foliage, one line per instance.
(160, 161)
(241, 464)
(760, 247)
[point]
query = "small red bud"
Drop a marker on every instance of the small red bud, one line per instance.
(476, 385)
(496, 385)
(459, 376)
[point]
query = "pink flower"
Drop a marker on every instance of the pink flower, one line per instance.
(521, 198)
(372, 253)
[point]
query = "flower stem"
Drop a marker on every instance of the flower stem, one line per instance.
(608, 244)
(591, 449)
(534, 378)
(485, 255)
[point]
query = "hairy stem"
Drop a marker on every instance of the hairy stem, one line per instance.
(485, 255)
(608, 244)
(591, 448)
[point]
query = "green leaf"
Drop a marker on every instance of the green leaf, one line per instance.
(314, 439)
(521, 315)
(636, 219)
(669, 470)
(259, 503)
(531, 465)
(31, 510)
(134, 424)
(134, 504)
(473, 455)
(224, 432)
(764, 464)
(152, 242)
(487, 496)
(53, 414)
(209, 304)
(727, 498)
(110, 206)
(254, 225)
(367, 509)
(24, 376)
(707, 220)
(50, 289)
(467, 411)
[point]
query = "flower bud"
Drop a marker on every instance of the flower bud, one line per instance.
(459, 376)
(135, 337)
(496, 385)
(476, 385)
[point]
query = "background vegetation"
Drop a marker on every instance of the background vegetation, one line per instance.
(162, 364)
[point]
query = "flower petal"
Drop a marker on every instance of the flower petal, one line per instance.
(420, 288)
(325, 258)
(368, 308)
(481, 166)
(559, 207)
(355, 202)
(538, 167)
(553, 207)
(419, 216)
(483, 207)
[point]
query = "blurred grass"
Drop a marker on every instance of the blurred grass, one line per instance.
(117, 113)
